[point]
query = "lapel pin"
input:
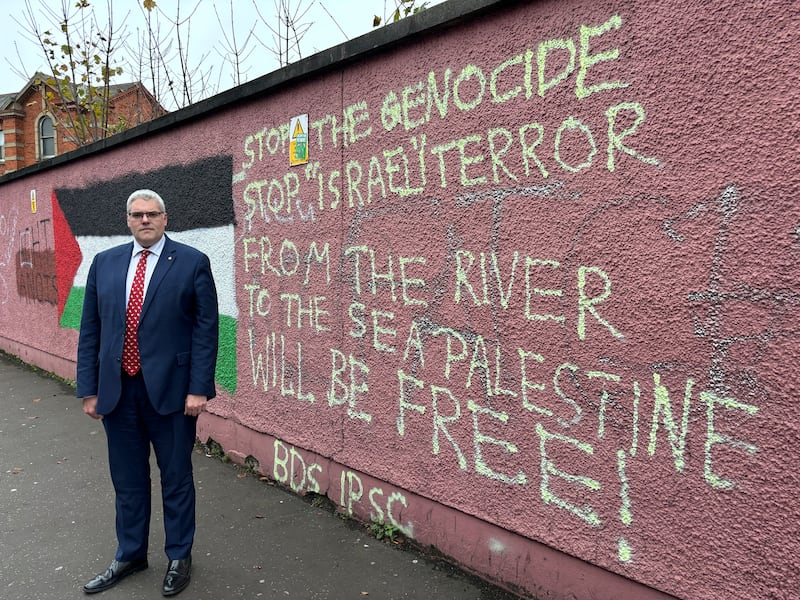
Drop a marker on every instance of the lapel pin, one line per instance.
(169, 258)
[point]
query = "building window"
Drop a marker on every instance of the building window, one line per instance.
(2, 143)
(47, 138)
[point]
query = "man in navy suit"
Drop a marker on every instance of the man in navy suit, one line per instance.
(149, 381)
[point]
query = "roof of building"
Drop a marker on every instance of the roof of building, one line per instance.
(6, 100)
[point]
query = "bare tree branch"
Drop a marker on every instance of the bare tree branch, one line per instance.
(234, 54)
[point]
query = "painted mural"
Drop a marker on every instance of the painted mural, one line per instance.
(528, 289)
(86, 225)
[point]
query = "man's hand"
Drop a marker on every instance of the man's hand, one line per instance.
(195, 405)
(90, 407)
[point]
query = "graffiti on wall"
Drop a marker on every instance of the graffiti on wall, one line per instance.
(36, 264)
(27, 259)
(420, 165)
(721, 298)
(474, 339)
(8, 241)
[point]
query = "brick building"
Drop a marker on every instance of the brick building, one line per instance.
(30, 130)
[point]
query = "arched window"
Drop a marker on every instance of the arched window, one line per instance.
(47, 138)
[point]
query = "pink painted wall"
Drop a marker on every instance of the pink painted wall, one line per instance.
(534, 298)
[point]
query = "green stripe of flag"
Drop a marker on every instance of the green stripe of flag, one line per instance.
(225, 374)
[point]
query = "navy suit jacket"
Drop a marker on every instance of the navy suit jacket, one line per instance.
(178, 328)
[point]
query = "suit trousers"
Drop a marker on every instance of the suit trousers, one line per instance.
(131, 428)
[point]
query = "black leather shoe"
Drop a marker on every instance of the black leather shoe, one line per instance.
(177, 577)
(116, 572)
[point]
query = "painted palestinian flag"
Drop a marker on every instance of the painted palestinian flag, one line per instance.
(199, 202)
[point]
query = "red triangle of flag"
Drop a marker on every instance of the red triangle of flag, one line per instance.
(68, 253)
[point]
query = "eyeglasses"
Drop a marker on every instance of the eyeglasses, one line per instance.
(138, 216)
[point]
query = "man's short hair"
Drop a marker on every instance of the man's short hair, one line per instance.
(145, 195)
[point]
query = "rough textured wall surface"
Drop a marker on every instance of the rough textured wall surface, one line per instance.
(533, 298)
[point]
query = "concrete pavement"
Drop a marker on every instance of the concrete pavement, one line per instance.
(253, 541)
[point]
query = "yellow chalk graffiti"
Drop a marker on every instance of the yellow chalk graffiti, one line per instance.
(714, 438)
(548, 469)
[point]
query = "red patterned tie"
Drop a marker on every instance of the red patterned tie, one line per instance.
(130, 349)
